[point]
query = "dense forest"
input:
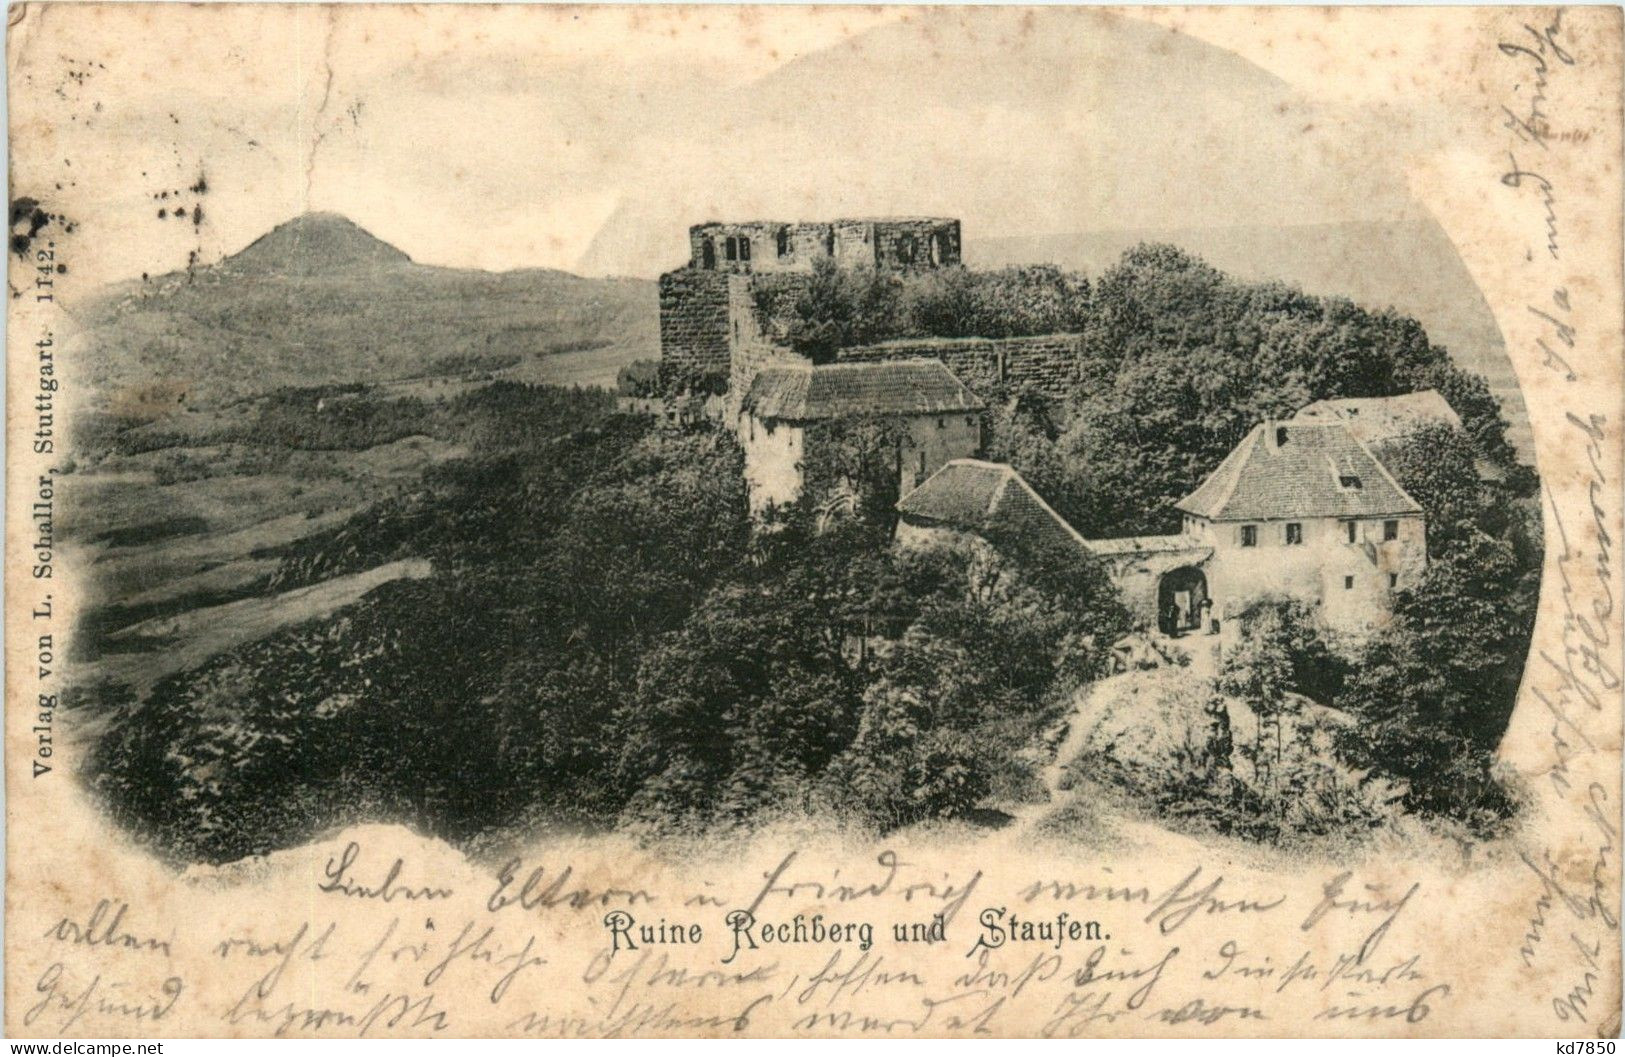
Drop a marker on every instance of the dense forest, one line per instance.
(605, 641)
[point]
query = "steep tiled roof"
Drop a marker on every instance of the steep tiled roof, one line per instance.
(841, 390)
(1298, 469)
(1380, 420)
(976, 495)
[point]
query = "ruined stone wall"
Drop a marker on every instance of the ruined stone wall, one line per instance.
(750, 348)
(775, 246)
(695, 331)
(927, 243)
(1047, 363)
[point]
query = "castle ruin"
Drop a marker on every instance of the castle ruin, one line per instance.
(713, 340)
(1301, 509)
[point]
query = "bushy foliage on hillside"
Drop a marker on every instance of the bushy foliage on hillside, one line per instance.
(1178, 362)
(1188, 360)
(1430, 693)
(833, 308)
(605, 639)
(1435, 689)
(601, 640)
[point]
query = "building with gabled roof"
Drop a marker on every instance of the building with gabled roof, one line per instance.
(1303, 510)
(1386, 423)
(1377, 421)
(987, 499)
(984, 498)
(1298, 510)
(1298, 470)
(937, 419)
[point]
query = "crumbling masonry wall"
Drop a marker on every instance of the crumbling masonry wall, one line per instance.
(695, 329)
(752, 350)
(911, 244)
(1046, 363)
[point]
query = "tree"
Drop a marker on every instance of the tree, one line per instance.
(903, 766)
(818, 314)
(1435, 688)
(853, 470)
(1258, 670)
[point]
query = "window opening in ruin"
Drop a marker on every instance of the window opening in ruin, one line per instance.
(1249, 535)
(1348, 583)
(1350, 482)
(942, 423)
(1390, 530)
(708, 254)
(1353, 530)
(1393, 581)
(1294, 532)
(784, 242)
(744, 248)
(730, 248)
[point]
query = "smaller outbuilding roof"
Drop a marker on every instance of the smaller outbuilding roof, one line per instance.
(1284, 470)
(977, 496)
(849, 390)
(1380, 420)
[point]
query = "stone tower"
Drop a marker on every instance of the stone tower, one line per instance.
(709, 332)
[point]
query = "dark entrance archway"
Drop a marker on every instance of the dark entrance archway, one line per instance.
(1180, 594)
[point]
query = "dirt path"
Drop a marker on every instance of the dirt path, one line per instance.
(1078, 726)
(1089, 704)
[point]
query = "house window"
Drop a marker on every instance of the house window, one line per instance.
(1249, 535)
(1353, 529)
(922, 464)
(942, 423)
(1393, 581)
(708, 254)
(744, 248)
(1348, 583)
(784, 242)
(1294, 533)
(1390, 530)
(1349, 482)
(730, 248)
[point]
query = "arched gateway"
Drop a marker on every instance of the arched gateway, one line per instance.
(1180, 596)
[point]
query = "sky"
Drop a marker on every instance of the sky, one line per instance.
(590, 138)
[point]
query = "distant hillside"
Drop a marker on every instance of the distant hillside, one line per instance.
(1411, 267)
(315, 242)
(318, 300)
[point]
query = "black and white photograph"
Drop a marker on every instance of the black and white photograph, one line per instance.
(677, 439)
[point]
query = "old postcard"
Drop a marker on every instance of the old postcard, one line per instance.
(550, 522)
